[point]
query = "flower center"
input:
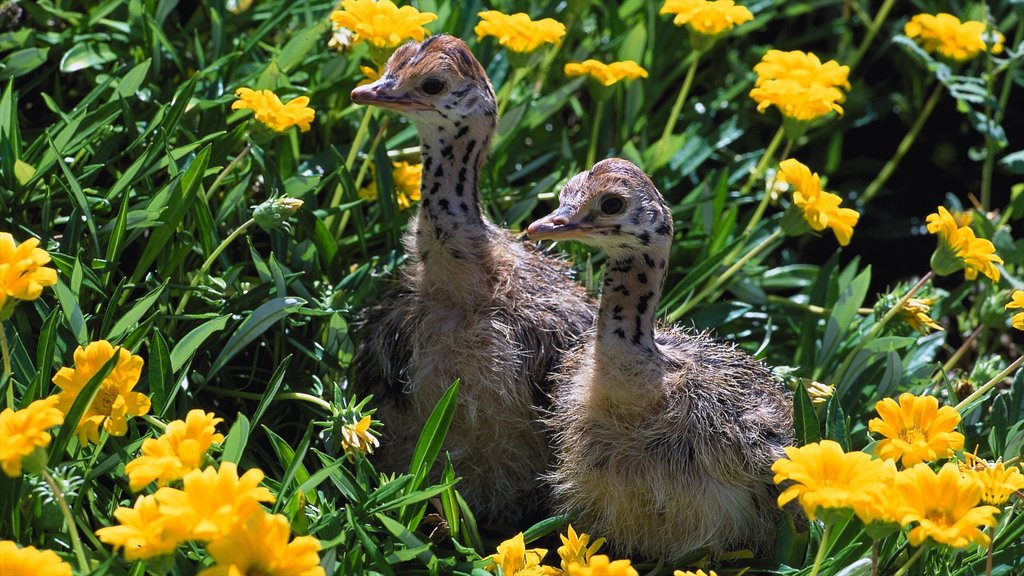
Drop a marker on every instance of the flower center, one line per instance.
(104, 400)
(940, 517)
(913, 434)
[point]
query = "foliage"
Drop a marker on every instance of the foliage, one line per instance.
(121, 150)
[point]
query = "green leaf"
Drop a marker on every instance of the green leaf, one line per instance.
(836, 423)
(805, 421)
(161, 376)
(431, 439)
(293, 461)
(271, 390)
(133, 79)
(257, 323)
(234, 443)
(22, 62)
(72, 313)
(135, 314)
(82, 56)
(191, 342)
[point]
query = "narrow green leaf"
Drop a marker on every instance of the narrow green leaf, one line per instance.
(257, 323)
(132, 317)
(133, 79)
(72, 313)
(804, 419)
(160, 373)
(191, 342)
(294, 464)
(44, 352)
(234, 443)
(271, 390)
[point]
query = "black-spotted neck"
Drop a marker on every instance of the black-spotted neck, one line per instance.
(630, 292)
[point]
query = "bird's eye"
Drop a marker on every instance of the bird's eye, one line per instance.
(612, 205)
(432, 86)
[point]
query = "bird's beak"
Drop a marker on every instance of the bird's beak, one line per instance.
(557, 226)
(384, 94)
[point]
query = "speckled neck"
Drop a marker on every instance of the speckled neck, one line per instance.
(629, 300)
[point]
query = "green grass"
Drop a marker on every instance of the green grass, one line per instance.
(120, 151)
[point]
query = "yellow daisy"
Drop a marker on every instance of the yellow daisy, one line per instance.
(145, 530)
(382, 24)
(944, 506)
(601, 565)
(260, 546)
(707, 17)
(25, 431)
(577, 549)
(997, 481)
(1017, 303)
(820, 209)
(915, 313)
(271, 112)
(945, 35)
(517, 32)
(178, 451)
(23, 271)
(514, 559)
(213, 500)
(358, 438)
(29, 561)
(916, 429)
(606, 74)
(799, 85)
(960, 249)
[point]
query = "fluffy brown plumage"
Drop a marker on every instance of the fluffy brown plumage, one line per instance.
(664, 439)
(471, 303)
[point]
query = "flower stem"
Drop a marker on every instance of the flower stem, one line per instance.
(506, 96)
(903, 569)
(904, 146)
(966, 402)
(822, 549)
(762, 163)
(677, 107)
(227, 170)
(280, 396)
(76, 542)
(350, 160)
(988, 557)
(209, 262)
(957, 355)
(874, 557)
(6, 352)
(876, 25)
(715, 284)
(594, 131)
(838, 376)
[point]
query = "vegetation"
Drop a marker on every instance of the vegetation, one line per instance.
(209, 251)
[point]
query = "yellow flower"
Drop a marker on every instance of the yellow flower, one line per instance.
(818, 392)
(260, 546)
(357, 438)
(944, 505)
(707, 17)
(601, 565)
(383, 24)
(406, 178)
(697, 573)
(29, 561)
(916, 429)
(606, 74)
(514, 559)
(960, 249)
(213, 500)
(271, 112)
(23, 271)
(145, 531)
(575, 549)
(820, 209)
(799, 85)
(998, 483)
(945, 35)
(825, 477)
(24, 432)
(915, 313)
(114, 401)
(178, 451)
(1017, 302)
(518, 32)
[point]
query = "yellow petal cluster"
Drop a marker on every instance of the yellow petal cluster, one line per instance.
(697, 573)
(23, 271)
(916, 429)
(271, 112)
(214, 500)
(381, 23)
(514, 559)
(959, 248)
(577, 549)
(406, 178)
(114, 402)
(707, 17)
(944, 506)
(820, 209)
(29, 561)
(1017, 303)
(145, 531)
(945, 35)
(517, 32)
(357, 438)
(177, 452)
(259, 545)
(24, 431)
(915, 313)
(601, 565)
(606, 74)
(799, 85)
(997, 481)
(824, 477)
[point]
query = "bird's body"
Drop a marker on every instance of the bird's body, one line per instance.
(472, 303)
(664, 439)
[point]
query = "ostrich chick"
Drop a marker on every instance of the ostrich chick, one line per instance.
(471, 303)
(664, 439)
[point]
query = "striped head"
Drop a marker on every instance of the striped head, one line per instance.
(614, 206)
(437, 82)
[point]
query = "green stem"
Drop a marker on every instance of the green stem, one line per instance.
(904, 146)
(957, 355)
(280, 396)
(227, 170)
(506, 94)
(209, 262)
(350, 160)
(991, 147)
(876, 25)
(6, 352)
(677, 107)
(988, 557)
(822, 549)
(903, 569)
(76, 542)
(722, 278)
(838, 376)
(766, 157)
(594, 131)
(966, 402)
(763, 204)
(874, 557)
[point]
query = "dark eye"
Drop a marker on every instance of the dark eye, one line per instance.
(432, 86)
(612, 205)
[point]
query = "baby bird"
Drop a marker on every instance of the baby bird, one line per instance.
(471, 302)
(664, 439)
